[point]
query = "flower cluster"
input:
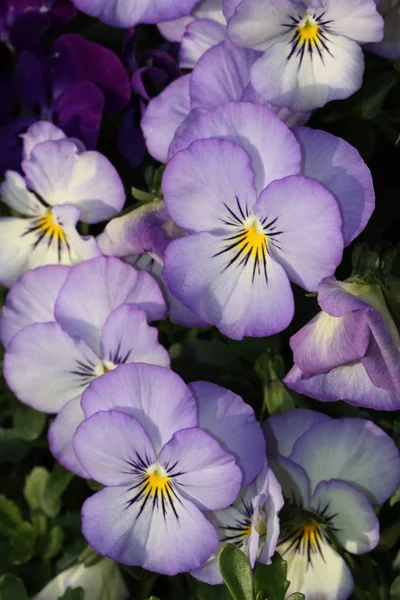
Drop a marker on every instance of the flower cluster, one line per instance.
(251, 205)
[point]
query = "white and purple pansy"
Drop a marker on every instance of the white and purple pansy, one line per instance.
(332, 472)
(80, 322)
(62, 184)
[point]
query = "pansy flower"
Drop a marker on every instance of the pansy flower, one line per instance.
(101, 308)
(389, 47)
(332, 472)
(170, 460)
(125, 13)
(311, 49)
(350, 350)
(62, 184)
(242, 197)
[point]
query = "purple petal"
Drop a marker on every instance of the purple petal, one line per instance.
(31, 82)
(75, 59)
(225, 416)
(39, 132)
(339, 167)
(10, 143)
(95, 288)
(199, 36)
(293, 480)
(173, 30)
(31, 300)
(156, 397)
(208, 476)
(272, 147)
(309, 241)
(130, 140)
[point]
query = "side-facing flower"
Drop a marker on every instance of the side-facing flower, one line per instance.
(311, 49)
(389, 47)
(350, 351)
(125, 13)
(332, 472)
(100, 581)
(247, 239)
(62, 184)
(161, 470)
(100, 321)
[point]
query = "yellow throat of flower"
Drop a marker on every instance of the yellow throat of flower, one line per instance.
(157, 481)
(50, 227)
(308, 31)
(255, 239)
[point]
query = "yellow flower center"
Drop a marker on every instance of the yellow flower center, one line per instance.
(157, 481)
(254, 239)
(51, 227)
(310, 534)
(308, 31)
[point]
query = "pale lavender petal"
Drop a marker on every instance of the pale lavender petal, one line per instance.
(42, 131)
(200, 35)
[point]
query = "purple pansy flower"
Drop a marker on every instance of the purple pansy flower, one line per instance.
(389, 47)
(251, 523)
(350, 351)
(222, 75)
(62, 184)
(125, 13)
(311, 49)
(80, 322)
(236, 198)
(336, 470)
(172, 460)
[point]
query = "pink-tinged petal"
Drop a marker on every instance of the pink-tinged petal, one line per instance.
(306, 232)
(350, 514)
(31, 300)
(42, 131)
(164, 114)
(353, 450)
(205, 473)
(293, 480)
(155, 396)
(61, 435)
(349, 383)
(340, 168)
(204, 183)
(15, 194)
(144, 537)
(140, 231)
(200, 35)
(272, 148)
(240, 299)
(46, 368)
(108, 444)
(282, 431)
(126, 337)
(327, 342)
(232, 422)
(95, 288)
(75, 60)
(221, 75)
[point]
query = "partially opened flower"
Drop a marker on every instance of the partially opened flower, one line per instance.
(311, 49)
(100, 321)
(251, 523)
(332, 473)
(62, 185)
(101, 581)
(125, 13)
(350, 351)
(389, 47)
(161, 471)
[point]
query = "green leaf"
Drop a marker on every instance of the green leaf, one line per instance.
(12, 588)
(22, 543)
(271, 579)
(35, 484)
(28, 423)
(55, 487)
(236, 572)
(142, 196)
(55, 542)
(296, 596)
(12, 448)
(73, 594)
(395, 589)
(10, 516)
(5, 553)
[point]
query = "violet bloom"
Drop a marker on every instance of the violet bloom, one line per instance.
(222, 75)
(350, 351)
(125, 13)
(170, 460)
(311, 49)
(251, 523)
(79, 323)
(254, 221)
(62, 184)
(389, 47)
(332, 472)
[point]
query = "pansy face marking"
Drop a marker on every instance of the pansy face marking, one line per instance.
(240, 528)
(250, 239)
(49, 228)
(307, 539)
(310, 34)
